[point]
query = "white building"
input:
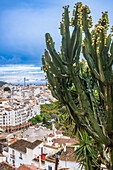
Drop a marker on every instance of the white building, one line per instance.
(68, 160)
(2, 158)
(23, 152)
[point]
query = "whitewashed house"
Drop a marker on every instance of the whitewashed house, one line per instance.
(23, 152)
(2, 158)
(68, 159)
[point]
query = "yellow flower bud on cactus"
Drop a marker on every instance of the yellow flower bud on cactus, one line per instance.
(73, 12)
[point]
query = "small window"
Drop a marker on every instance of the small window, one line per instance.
(13, 162)
(13, 152)
(49, 168)
(20, 156)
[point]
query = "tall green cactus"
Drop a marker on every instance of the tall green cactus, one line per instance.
(63, 70)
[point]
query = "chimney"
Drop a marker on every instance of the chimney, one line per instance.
(53, 127)
(39, 161)
(56, 162)
(65, 148)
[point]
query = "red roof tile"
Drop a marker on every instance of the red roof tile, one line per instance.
(27, 167)
(63, 141)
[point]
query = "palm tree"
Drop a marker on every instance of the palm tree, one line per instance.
(87, 154)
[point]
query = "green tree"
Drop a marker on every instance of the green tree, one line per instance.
(44, 120)
(64, 70)
(38, 118)
(34, 121)
(7, 89)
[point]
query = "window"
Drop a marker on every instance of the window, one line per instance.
(20, 156)
(13, 162)
(13, 152)
(49, 168)
(41, 150)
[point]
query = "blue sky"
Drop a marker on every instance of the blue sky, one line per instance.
(23, 24)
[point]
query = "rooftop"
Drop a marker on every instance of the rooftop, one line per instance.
(27, 167)
(68, 155)
(5, 165)
(22, 144)
(63, 141)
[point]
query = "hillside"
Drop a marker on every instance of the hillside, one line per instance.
(2, 83)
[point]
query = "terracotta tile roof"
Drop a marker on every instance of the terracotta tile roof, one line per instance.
(8, 109)
(2, 137)
(5, 165)
(68, 155)
(58, 132)
(65, 169)
(51, 135)
(22, 144)
(27, 167)
(1, 155)
(63, 141)
(2, 100)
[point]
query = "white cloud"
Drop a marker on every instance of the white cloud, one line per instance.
(16, 74)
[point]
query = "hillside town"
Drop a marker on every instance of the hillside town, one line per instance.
(27, 146)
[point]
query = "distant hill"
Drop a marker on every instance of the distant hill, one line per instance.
(2, 83)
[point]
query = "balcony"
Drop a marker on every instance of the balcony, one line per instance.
(12, 156)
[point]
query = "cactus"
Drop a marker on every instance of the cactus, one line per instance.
(64, 70)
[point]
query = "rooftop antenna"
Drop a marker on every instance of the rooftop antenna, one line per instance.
(24, 81)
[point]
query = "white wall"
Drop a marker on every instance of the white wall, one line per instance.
(18, 161)
(26, 157)
(2, 159)
(69, 164)
(49, 151)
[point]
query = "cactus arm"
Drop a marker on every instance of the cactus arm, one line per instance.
(111, 57)
(108, 42)
(101, 73)
(110, 62)
(50, 65)
(87, 34)
(56, 58)
(90, 63)
(67, 33)
(68, 97)
(63, 43)
(76, 44)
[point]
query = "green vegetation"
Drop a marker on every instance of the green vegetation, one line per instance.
(2, 83)
(48, 111)
(92, 108)
(36, 119)
(86, 152)
(7, 89)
